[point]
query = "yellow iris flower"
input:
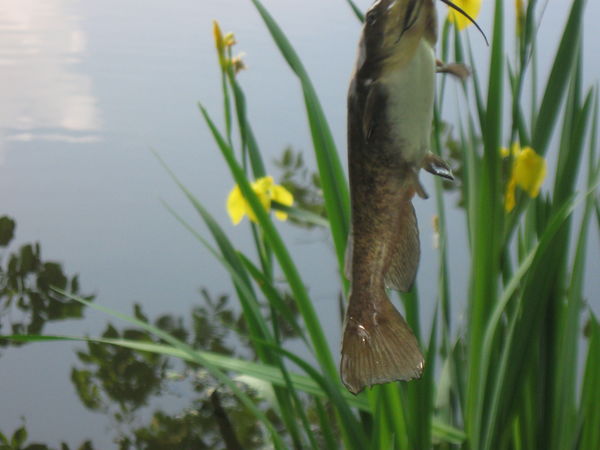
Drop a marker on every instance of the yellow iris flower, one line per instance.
(222, 43)
(471, 7)
(267, 191)
(528, 172)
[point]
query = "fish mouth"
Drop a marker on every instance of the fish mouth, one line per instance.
(394, 20)
(398, 16)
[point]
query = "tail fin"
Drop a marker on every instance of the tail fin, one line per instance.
(378, 345)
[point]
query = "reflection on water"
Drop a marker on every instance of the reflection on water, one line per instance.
(121, 383)
(43, 95)
(27, 302)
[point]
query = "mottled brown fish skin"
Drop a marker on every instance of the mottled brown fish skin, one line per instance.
(384, 158)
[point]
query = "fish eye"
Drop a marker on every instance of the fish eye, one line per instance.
(371, 17)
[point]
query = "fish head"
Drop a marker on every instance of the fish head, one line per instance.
(394, 28)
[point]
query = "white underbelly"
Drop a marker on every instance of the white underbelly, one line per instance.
(409, 111)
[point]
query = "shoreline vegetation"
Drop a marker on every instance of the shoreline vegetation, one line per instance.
(523, 370)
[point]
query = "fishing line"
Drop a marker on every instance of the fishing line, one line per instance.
(464, 13)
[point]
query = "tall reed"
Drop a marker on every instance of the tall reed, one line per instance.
(513, 377)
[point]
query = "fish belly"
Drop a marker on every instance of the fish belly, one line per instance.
(409, 110)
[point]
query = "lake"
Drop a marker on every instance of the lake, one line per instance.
(89, 89)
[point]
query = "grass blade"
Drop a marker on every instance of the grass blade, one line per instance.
(356, 10)
(559, 76)
(488, 226)
(590, 392)
(193, 356)
(335, 190)
(286, 262)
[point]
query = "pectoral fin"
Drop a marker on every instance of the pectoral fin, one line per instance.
(374, 105)
(437, 166)
(455, 69)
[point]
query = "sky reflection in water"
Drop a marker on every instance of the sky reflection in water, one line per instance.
(44, 95)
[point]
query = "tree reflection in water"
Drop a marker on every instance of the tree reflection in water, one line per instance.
(120, 382)
(26, 301)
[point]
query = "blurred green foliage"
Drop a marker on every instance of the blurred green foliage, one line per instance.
(303, 183)
(18, 441)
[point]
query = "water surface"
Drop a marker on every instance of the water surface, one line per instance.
(89, 88)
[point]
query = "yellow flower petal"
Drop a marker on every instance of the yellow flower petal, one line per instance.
(237, 206)
(471, 7)
(262, 188)
(283, 196)
(519, 7)
(520, 16)
(266, 191)
(220, 45)
(263, 185)
(529, 171)
(218, 37)
(229, 40)
(515, 150)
